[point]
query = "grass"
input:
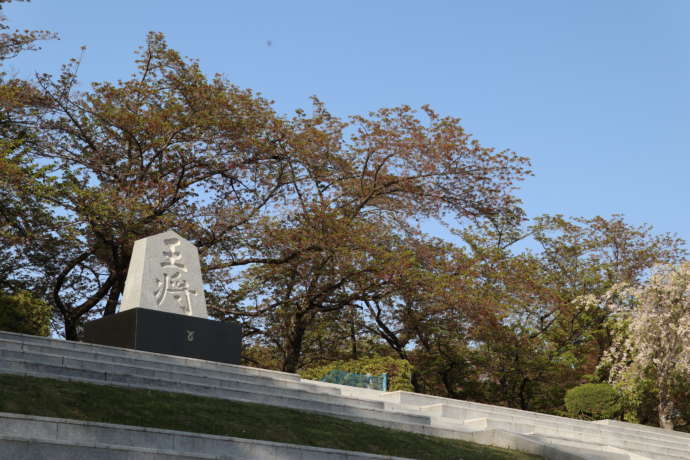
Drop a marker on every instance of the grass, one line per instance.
(174, 411)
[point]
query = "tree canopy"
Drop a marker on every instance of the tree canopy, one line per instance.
(308, 226)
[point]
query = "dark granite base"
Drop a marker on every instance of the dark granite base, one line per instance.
(168, 333)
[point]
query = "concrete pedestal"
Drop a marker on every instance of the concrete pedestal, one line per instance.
(168, 333)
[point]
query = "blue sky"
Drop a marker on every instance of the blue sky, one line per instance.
(596, 93)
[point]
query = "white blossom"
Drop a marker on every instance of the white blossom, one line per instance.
(653, 337)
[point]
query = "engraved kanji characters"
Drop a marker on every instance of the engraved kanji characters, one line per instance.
(174, 285)
(172, 256)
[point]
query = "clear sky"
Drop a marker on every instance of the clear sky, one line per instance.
(596, 93)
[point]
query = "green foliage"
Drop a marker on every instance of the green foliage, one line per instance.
(305, 225)
(399, 371)
(593, 401)
(23, 313)
(640, 401)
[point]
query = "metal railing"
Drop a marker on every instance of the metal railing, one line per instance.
(375, 382)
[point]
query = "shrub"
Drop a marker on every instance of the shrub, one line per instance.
(593, 401)
(21, 312)
(399, 370)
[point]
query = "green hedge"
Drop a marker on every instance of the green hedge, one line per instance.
(399, 371)
(21, 312)
(593, 401)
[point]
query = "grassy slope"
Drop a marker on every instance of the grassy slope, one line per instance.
(83, 401)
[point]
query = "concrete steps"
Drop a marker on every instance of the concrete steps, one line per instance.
(562, 429)
(36, 449)
(648, 442)
(95, 372)
(229, 380)
(631, 454)
(149, 360)
(561, 436)
(547, 435)
(636, 429)
(594, 451)
(467, 411)
(31, 438)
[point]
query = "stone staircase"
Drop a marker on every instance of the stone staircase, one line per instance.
(549, 436)
(636, 441)
(25, 437)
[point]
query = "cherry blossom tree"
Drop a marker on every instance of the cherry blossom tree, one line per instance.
(653, 341)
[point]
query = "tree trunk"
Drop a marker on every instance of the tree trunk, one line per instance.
(448, 384)
(416, 382)
(114, 295)
(665, 409)
(353, 338)
(524, 404)
(71, 331)
(293, 344)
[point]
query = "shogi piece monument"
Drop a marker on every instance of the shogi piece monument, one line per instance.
(164, 308)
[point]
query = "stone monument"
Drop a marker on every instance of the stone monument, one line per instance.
(164, 308)
(164, 275)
